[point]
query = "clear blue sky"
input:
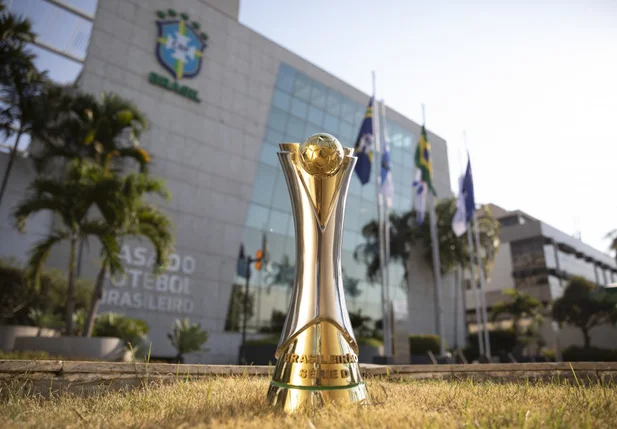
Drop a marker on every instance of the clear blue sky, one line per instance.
(534, 83)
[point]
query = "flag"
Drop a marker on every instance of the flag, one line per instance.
(241, 264)
(424, 175)
(387, 187)
(470, 199)
(465, 203)
(364, 146)
(459, 221)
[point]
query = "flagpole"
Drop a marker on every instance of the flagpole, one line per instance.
(474, 287)
(476, 297)
(387, 322)
(487, 342)
(436, 266)
(377, 163)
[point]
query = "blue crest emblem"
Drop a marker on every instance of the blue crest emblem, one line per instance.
(179, 45)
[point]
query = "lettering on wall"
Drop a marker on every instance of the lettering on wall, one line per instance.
(139, 288)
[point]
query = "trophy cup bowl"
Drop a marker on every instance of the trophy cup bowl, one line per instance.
(317, 355)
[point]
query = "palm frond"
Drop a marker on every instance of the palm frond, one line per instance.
(39, 254)
(35, 204)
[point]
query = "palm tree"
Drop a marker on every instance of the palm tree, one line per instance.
(15, 34)
(70, 198)
(21, 84)
(131, 216)
(613, 237)
(520, 305)
(186, 338)
(85, 127)
(405, 233)
(585, 305)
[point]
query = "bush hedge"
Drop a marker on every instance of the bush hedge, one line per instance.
(591, 354)
(18, 298)
(422, 344)
(503, 341)
(131, 330)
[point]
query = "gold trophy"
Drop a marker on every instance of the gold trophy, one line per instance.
(317, 355)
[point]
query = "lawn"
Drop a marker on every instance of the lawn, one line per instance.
(238, 402)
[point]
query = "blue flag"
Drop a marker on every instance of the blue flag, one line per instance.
(467, 188)
(465, 203)
(364, 146)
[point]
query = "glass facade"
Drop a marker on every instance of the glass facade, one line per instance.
(534, 264)
(300, 107)
(61, 31)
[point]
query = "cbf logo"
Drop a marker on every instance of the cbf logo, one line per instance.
(180, 45)
(179, 48)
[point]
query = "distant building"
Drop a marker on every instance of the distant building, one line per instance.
(538, 259)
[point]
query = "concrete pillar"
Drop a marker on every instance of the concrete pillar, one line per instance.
(557, 265)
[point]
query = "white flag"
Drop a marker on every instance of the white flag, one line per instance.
(459, 221)
(421, 188)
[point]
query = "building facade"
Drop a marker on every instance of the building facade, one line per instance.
(539, 259)
(219, 98)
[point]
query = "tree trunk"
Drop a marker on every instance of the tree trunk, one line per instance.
(179, 358)
(586, 338)
(9, 167)
(70, 293)
(95, 300)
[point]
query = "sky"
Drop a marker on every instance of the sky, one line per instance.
(533, 83)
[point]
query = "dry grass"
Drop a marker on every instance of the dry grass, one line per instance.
(238, 402)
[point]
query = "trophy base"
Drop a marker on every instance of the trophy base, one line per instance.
(318, 367)
(293, 398)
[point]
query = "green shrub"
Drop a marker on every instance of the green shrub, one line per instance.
(37, 355)
(18, 298)
(372, 342)
(503, 341)
(272, 339)
(130, 330)
(422, 344)
(549, 354)
(25, 355)
(590, 354)
(186, 337)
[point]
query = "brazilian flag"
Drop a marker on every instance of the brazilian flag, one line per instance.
(423, 162)
(364, 146)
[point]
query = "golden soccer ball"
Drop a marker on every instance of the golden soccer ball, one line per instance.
(321, 155)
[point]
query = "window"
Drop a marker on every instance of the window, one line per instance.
(281, 100)
(319, 95)
(257, 216)
(346, 134)
(348, 110)
(280, 199)
(278, 222)
(286, 78)
(333, 105)
(268, 156)
(277, 119)
(264, 184)
(331, 124)
(273, 137)
(315, 116)
(296, 129)
(302, 87)
(299, 108)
